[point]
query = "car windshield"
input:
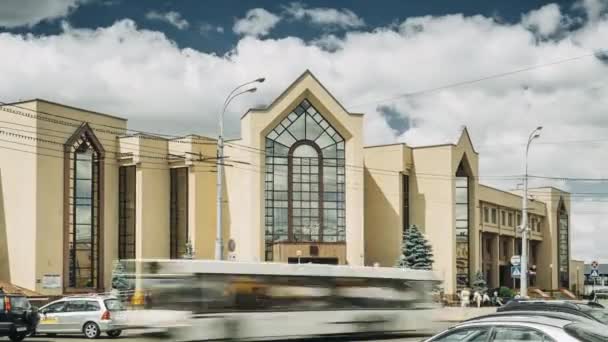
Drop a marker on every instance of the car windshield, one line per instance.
(599, 314)
(114, 305)
(587, 332)
(19, 303)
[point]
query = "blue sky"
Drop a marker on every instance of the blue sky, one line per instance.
(204, 17)
(167, 66)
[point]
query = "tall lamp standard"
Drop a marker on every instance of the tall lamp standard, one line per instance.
(219, 244)
(524, 218)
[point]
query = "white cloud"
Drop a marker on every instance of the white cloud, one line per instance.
(171, 17)
(15, 13)
(343, 18)
(179, 91)
(207, 28)
(257, 22)
(545, 20)
(593, 8)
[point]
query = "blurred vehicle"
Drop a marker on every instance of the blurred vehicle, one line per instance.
(601, 298)
(576, 308)
(525, 327)
(87, 315)
(17, 317)
(201, 299)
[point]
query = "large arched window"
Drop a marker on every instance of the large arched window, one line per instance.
(83, 160)
(305, 177)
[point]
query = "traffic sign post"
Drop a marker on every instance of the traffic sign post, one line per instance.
(515, 271)
(516, 260)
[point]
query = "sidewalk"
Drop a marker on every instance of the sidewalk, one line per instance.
(458, 314)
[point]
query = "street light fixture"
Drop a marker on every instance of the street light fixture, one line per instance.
(219, 244)
(524, 218)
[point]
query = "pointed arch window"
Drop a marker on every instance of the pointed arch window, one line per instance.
(83, 220)
(462, 209)
(304, 180)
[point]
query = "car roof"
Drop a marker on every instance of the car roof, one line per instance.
(88, 297)
(516, 315)
(527, 318)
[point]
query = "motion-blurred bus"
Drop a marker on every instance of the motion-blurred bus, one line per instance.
(201, 300)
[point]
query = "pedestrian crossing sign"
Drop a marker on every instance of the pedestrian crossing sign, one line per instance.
(515, 271)
(594, 274)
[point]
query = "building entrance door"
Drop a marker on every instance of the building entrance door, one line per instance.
(313, 260)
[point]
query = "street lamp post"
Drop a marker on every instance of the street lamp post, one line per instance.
(524, 218)
(219, 244)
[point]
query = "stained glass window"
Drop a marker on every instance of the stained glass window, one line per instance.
(304, 180)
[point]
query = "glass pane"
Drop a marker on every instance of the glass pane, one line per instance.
(312, 128)
(84, 169)
(461, 182)
(87, 155)
(324, 140)
(305, 150)
(280, 150)
(330, 152)
(83, 188)
(297, 128)
(506, 334)
(83, 214)
(462, 195)
(286, 139)
(462, 211)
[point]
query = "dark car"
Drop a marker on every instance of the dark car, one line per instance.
(17, 317)
(575, 308)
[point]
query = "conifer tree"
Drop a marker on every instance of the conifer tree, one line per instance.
(416, 252)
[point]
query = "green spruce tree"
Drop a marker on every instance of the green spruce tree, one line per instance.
(119, 278)
(479, 284)
(416, 252)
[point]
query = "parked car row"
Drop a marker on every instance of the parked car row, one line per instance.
(87, 315)
(542, 321)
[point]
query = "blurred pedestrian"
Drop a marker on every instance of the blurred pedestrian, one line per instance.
(486, 299)
(465, 298)
(477, 298)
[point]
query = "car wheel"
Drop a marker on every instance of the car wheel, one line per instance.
(91, 330)
(114, 333)
(17, 337)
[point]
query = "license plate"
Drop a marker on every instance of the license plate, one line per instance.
(21, 329)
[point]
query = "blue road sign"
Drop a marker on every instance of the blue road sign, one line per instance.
(515, 271)
(594, 273)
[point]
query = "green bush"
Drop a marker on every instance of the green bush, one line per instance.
(505, 292)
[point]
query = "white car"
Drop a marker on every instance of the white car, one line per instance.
(524, 327)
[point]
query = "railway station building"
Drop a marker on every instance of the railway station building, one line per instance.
(79, 192)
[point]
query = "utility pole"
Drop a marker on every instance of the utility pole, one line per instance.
(524, 218)
(219, 244)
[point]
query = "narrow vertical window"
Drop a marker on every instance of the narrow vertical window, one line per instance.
(563, 246)
(126, 212)
(84, 212)
(462, 227)
(406, 201)
(179, 212)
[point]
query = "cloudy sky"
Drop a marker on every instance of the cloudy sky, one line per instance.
(508, 67)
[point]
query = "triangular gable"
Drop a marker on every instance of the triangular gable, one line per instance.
(85, 133)
(466, 138)
(307, 87)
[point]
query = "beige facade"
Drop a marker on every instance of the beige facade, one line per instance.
(79, 191)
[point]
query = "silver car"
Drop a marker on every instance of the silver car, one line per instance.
(524, 327)
(88, 315)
